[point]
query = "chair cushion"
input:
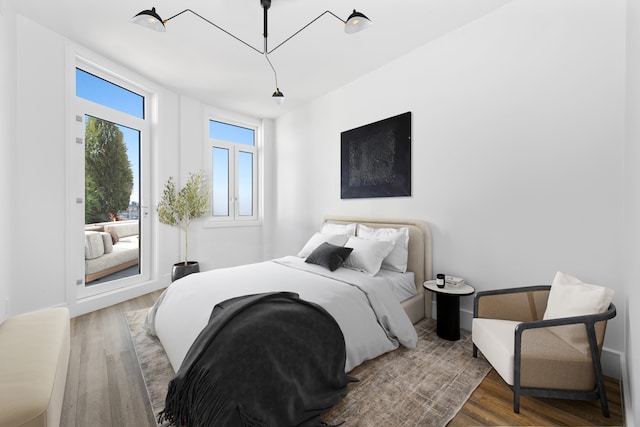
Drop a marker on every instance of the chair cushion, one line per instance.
(569, 297)
(122, 228)
(93, 245)
(547, 360)
(494, 338)
(107, 241)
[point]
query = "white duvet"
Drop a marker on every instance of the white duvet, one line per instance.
(365, 307)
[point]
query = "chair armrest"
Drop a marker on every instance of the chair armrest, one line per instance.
(588, 320)
(590, 325)
(520, 304)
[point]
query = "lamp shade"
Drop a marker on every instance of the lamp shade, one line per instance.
(356, 22)
(278, 96)
(149, 19)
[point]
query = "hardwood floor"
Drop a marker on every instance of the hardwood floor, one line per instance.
(491, 404)
(105, 387)
(104, 384)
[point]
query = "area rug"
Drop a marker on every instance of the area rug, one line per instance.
(425, 386)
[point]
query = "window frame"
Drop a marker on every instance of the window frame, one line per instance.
(77, 183)
(233, 218)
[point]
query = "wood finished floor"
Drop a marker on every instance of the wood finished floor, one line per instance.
(105, 387)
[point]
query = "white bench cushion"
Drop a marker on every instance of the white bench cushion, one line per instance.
(34, 357)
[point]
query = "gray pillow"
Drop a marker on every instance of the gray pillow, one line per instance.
(329, 256)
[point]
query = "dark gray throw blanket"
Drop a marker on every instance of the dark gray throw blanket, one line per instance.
(266, 360)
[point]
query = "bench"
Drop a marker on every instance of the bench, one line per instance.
(34, 357)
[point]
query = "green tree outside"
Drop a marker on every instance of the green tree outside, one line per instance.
(108, 174)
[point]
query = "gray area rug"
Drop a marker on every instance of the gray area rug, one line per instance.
(423, 387)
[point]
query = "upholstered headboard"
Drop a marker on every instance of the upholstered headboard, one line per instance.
(419, 260)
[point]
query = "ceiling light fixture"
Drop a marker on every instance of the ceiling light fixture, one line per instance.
(356, 22)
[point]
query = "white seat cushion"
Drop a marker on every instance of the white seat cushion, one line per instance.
(495, 339)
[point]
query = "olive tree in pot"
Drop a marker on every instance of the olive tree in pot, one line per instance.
(179, 208)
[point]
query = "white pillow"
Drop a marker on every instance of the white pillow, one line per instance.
(570, 297)
(397, 259)
(331, 228)
(367, 255)
(319, 238)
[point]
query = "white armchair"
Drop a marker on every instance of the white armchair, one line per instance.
(537, 352)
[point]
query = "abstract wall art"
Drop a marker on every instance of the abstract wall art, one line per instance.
(376, 159)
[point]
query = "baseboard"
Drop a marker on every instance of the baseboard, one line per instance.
(611, 360)
(100, 301)
(627, 405)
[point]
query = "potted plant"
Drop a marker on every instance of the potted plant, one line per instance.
(180, 208)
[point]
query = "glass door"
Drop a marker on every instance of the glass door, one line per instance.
(112, 201)
(114, 134)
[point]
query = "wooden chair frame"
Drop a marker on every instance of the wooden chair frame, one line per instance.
(589, 321)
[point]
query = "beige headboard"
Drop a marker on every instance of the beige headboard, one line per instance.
(419, 261)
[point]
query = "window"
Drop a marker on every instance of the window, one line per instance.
(232, 150)
(96, 89)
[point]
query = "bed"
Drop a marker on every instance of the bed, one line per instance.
(372, 318)
(419, 259)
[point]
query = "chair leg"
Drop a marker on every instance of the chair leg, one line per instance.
(597, 366)
(475, 351)
(602, 392)
(516, 401)
(605, 406)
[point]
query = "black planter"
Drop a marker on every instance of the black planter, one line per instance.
(180, 269)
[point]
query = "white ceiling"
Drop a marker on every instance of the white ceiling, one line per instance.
(196, 59)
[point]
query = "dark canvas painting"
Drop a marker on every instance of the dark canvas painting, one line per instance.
(376, 159)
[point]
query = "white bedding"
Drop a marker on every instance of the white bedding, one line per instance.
(365, 307)
(404, 285)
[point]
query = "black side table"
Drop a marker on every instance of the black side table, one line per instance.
(448, 303)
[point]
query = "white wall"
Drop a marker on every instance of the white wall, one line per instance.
(39, 170)
(632, 218)
(517, 148)
(7, 131)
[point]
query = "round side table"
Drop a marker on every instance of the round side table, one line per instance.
(448, 307)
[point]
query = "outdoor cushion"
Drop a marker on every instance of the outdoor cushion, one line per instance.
(93, 245)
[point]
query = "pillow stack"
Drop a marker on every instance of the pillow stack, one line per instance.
(369, 249)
